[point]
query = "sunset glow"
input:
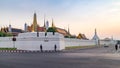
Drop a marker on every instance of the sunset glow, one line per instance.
(82, 16)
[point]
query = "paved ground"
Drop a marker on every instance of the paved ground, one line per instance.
(80, 58)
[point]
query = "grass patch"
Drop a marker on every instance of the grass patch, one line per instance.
(78, 47)
(8, 48)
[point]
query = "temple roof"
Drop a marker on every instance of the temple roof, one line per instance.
(95, 37)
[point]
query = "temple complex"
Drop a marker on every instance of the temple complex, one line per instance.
(95, 37)
(35, 27)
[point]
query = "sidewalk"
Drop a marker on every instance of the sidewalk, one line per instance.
(28, 51)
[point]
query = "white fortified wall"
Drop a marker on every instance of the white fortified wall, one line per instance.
(6, 42)
(30, 41)
(78, 42)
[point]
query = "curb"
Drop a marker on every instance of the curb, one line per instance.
(27, 51)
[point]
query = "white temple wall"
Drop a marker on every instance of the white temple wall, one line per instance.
(30, 41)
(6, 42)
(78, 42)
(35, 45)
(107, 42)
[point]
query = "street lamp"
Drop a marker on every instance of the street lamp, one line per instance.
(13, 39)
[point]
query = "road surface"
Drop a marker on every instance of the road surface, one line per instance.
(98, 57)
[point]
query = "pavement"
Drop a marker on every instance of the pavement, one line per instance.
(97, 57)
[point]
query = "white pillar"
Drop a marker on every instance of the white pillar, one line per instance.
(25, 27)
(10, 28)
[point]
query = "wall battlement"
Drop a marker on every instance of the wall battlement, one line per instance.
(30, 41)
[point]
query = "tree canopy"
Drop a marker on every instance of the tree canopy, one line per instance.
(2, 34)
(51, 29)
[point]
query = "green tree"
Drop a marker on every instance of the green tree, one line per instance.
(9, 34)
(51, 29)
(2, 34)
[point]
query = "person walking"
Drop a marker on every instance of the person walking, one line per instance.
(55, 47)
(116, 47)
(41, 48)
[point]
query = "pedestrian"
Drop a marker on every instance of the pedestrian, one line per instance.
(116, 47)
(41, 48)
(55, 47)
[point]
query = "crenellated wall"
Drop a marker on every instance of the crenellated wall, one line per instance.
(78, 42)
(6, 42)
(30, 41)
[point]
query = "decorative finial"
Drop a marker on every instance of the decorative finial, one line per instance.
(68, 29)
(44, 20)
(53, 23)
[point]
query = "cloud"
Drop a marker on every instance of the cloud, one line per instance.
(115, 10)
(116, 3)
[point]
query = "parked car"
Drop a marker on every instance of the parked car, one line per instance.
(106, 45)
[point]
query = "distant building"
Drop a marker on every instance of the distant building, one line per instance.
(13, 31)
(46, 25)
(107, 39)
(81, 36)
(95, 37)
(35, 27)
(60, 30)
(25, 27)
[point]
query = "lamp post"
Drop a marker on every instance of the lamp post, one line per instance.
(13, 39)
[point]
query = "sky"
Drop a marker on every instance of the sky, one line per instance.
(81, 16)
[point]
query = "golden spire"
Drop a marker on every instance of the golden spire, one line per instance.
(34, 27)
(44, 21)
(53, 24)
(68, 30)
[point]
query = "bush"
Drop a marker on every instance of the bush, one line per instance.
(68, 36)
(8, 48)
(78, 47)
(2, 34)
(51, 29)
